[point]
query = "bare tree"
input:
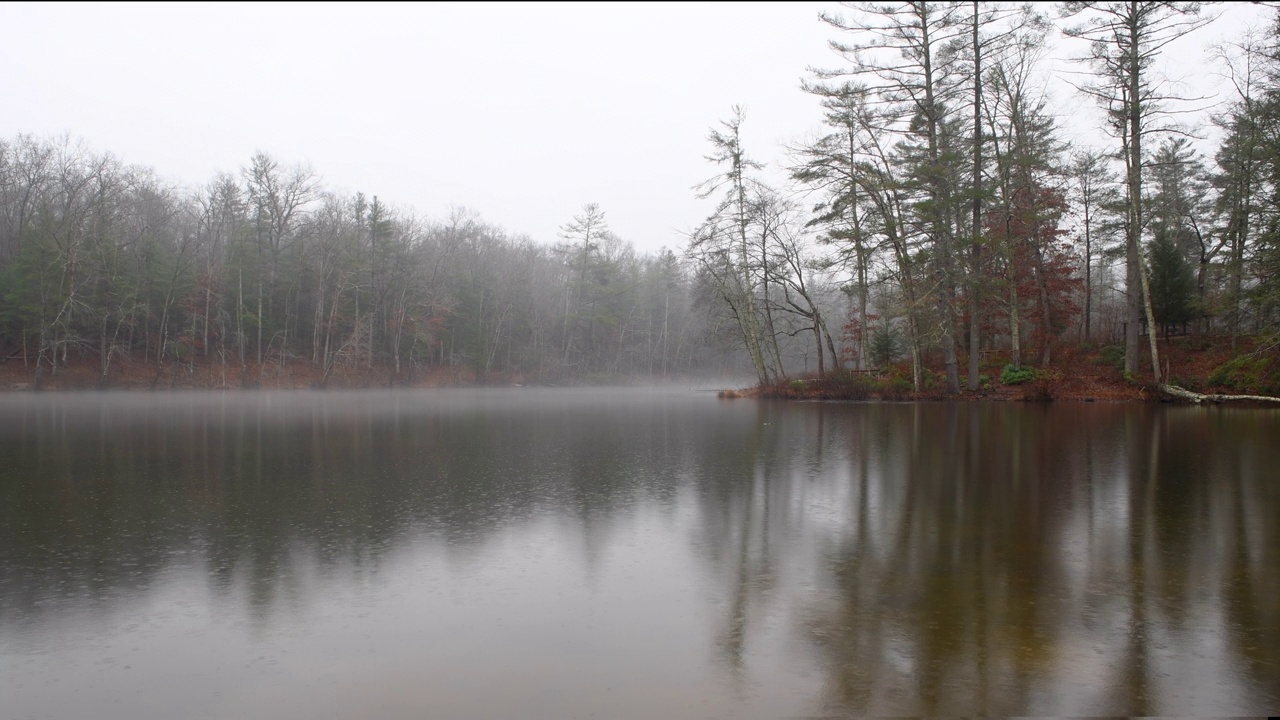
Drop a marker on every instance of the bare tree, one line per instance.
(724, 246)
(277, 197)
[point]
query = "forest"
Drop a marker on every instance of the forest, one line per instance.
(940, 218)
(252, 273)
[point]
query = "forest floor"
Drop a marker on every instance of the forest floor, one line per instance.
(1076, 372)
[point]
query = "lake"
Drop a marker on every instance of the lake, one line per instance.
(558, 553)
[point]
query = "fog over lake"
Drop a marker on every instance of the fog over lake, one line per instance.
(631, 553)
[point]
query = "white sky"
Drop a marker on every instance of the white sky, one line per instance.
(521, 112)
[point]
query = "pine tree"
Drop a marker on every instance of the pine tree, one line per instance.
(1173, 285)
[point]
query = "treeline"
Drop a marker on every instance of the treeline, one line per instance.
(940, 216)
(103, 260)
(945, 201)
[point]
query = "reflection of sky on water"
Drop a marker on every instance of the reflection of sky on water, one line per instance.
(628, 553)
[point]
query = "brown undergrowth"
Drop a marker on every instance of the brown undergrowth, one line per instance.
(1077, 372)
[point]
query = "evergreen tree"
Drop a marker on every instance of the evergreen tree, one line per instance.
(1173, 286)
(1124, 40)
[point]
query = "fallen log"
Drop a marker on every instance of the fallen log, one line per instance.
(1195, 397)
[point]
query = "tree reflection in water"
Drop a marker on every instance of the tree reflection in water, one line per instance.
(994, 560)
(816, 558)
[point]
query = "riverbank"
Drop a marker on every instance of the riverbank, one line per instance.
(1081, 372)
(1078, 372)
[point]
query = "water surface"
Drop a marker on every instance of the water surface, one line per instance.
(627, 553)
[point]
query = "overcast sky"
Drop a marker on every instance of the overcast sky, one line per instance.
(521, 112)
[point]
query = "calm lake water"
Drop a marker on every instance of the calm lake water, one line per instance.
(524, 553)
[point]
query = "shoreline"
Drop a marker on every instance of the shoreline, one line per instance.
(1078, 374)
(84, 376)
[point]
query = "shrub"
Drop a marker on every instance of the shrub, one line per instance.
(1112, 355)
(1248, 374)
(1016, 376)
(1040, 390)
(848, 385)
(1197, 343)
(929, 379)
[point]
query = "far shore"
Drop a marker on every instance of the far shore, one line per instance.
(1077, 373)
(84, 375)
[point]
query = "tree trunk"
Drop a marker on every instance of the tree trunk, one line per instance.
(817, 341)
(1015, 329)
(1046, 317)
(1152, 338)
(831, 346)
(208, 301)
(1198, 398)
(1088, 268)
(941, 231)
(259, 320)
(1133, 168)
(240, 318)
(975, 250)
